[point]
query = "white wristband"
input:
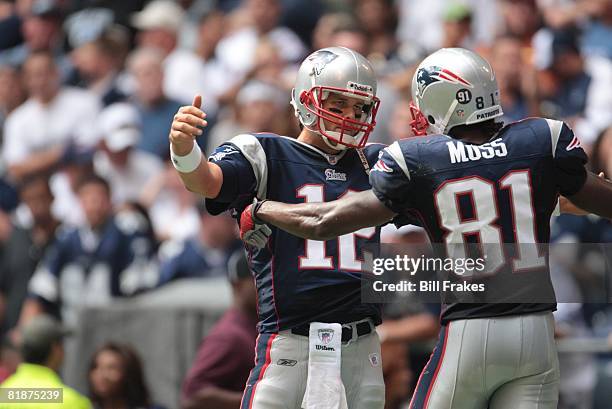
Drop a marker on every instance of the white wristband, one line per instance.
(189, 162)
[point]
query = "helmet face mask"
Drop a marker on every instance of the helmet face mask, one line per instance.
(341, 71)
(452, 87)
(353, 132)
(419, 123)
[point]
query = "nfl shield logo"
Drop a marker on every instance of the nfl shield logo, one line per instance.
(374, 359)
(326, 335)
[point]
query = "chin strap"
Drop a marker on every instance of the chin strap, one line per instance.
(364, 161)
(449, 113)
(337, 146)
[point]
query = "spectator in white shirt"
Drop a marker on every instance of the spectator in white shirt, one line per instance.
(159, 24)
(259, 107)
(12, 95)
(172, 207)
(207, 75)
(156, 110)
(99, 61)
(51, 125)
(126, 169)
(237, 51)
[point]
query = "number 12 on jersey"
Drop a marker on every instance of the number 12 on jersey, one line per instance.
(315, 256)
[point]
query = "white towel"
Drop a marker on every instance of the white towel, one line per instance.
(324, 387)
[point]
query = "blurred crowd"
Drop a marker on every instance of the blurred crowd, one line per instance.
(91, 209)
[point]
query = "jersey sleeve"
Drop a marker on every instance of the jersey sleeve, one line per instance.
(390, 179)
(171, 266)
(569, 158)
(243, 163)
(44, 284)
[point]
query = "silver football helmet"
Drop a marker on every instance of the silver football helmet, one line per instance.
(453, 86)
(336, 70)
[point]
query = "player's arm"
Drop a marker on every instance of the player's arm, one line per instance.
(35, 163)
(324, 221)
(413, 328)
(595, 196)
(206, 177)
(567, 207)
(390, 195)
(584, 189)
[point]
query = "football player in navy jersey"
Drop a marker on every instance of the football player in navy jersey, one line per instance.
(471, 177)
(92, 263)
(300, 281)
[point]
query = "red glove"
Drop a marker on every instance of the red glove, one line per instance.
(252, 230)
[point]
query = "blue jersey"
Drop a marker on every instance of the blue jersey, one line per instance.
(503, 191)
(299, 281)
(85, 267)
(191, 259)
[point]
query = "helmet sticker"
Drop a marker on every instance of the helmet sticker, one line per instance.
(320, 59)
(429, 75)
(464, 96)
(355, 87)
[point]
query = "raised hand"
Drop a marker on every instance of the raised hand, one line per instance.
(186, 126)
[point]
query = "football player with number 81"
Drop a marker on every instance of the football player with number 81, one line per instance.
(472, 177)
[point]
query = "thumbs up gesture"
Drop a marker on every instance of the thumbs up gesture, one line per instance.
(186, 126)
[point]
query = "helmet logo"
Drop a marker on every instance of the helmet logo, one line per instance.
(320, 59)
(429, 75)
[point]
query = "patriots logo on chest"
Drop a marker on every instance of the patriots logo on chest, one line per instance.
(430, 75)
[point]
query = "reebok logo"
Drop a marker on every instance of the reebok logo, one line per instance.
(355, 87)
(286, 362)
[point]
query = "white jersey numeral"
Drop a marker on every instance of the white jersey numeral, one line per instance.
(347, 246)
(518, 184)
(485, 214)
(315, 256)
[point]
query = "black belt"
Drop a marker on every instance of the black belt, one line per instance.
(363, 328)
